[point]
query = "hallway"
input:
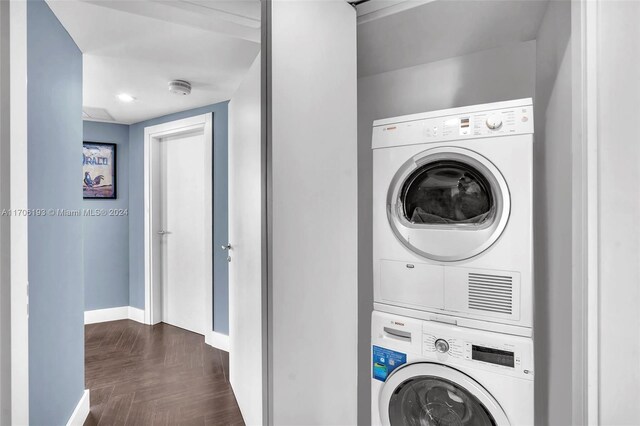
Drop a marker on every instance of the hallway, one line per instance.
(160, 375)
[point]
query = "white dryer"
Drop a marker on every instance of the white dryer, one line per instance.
(452, 215)
(427, 373)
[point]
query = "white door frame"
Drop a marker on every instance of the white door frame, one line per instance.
(14, 254)
(585, 218)
(152, 136)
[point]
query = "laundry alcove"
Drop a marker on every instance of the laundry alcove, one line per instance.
(441, 54)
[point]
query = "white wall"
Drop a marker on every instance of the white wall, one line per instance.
(493, 75)
(619, 168)
(552, 218)
(245, 234)
(313, 213)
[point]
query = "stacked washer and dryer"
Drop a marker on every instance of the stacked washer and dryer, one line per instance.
(453, 256)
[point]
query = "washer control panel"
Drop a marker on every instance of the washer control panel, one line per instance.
(505, 354)
(483, 123)
(425, 128)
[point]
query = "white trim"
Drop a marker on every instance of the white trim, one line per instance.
(136, 314)
(97, 120)
(217, 340)
(372, 10)
(5, 224)
(104, 315)
(586, 335)
(591, 201)
(81, 411)
(202, 122)
(19, 268)
(114, 314)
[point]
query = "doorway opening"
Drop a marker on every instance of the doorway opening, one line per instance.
(178, 217)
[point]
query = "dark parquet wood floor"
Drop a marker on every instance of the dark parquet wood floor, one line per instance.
(156, 375)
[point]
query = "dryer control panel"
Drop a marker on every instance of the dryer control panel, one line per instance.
(499, 119)
(500, 353)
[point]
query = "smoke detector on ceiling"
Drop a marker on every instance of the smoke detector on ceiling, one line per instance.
(180, 87)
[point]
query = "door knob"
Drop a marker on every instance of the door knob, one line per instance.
(227, 247)
(162, 232)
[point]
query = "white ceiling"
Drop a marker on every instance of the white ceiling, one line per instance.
(435, 30)
(138, 46)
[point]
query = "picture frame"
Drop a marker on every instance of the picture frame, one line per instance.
(99, 170)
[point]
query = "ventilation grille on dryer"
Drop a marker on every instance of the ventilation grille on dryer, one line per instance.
(491, 293)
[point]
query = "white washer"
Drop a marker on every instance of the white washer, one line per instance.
(426, 373)
(452, 215)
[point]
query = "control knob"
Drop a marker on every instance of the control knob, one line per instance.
(494, 122)
(442, 346)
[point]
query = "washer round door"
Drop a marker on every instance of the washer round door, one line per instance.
(428, 394)
(448, 204)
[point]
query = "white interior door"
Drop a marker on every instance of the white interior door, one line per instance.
(182, 212)
(245, 236)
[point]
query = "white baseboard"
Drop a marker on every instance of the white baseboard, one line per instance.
(217, 340)
(114, 314)
(136, 314)
(81, 411)
(104, 315)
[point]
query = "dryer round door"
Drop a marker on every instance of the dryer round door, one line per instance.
(428, 394)
(448, 204)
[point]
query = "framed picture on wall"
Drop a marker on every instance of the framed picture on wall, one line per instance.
(99, 170)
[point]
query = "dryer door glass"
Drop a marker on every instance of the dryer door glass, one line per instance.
(448, 204)
(447, 192)
(429, 400)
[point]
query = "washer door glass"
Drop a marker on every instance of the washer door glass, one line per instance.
(447, 192)
(432, 401)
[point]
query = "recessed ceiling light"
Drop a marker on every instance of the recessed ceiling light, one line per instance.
(125, 97)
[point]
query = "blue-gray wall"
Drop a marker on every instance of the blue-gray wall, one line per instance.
(56, 290)
(220, 219)
(106, 238)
